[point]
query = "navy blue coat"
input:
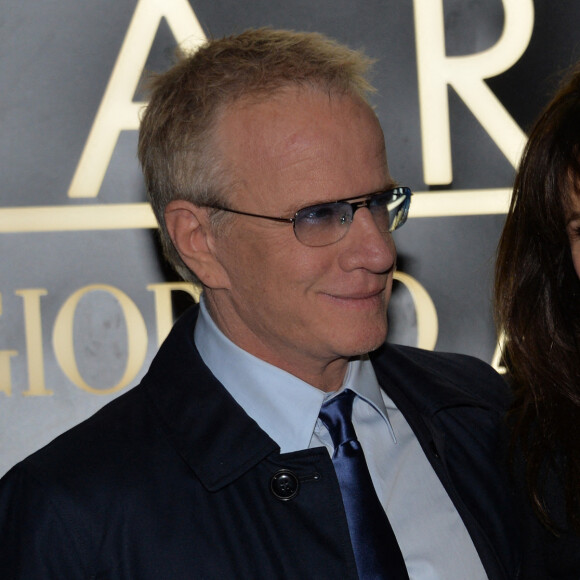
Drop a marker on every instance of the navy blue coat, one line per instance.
(173, 480)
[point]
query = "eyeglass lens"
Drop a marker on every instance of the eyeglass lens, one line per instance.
(320, 225)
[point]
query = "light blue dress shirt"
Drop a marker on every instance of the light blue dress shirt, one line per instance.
(430, 532)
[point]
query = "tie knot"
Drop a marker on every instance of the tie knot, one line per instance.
(336, 416)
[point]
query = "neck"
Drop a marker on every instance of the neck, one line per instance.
(326, 374)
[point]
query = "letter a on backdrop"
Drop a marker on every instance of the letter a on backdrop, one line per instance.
(117, 111)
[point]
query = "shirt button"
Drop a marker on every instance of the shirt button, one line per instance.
(284, 485)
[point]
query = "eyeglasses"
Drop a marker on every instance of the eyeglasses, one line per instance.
(326, 223)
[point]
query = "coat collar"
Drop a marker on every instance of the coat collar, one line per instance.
(212, 433)
(432, 382)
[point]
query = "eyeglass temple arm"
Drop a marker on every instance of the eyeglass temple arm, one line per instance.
(267, 217)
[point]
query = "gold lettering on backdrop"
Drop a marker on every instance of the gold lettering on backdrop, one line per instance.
(5, 374)
(497, 359)
(466, 75)
(76, 218)
(139, 215)
(137, 338)
(5, 371)
(460, 203)
(34, 348)
(427, 323)
(163, 307)
(117, 111)
(63, 338)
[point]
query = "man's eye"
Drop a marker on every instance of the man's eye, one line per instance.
(318, 213)
(381, 200)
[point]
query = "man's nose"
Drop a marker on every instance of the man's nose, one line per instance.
(366, 246)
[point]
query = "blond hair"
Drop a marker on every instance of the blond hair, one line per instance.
(176, 149)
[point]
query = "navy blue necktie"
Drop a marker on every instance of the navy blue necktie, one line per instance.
(376, 550)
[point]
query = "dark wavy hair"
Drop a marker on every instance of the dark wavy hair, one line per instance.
(537, 296)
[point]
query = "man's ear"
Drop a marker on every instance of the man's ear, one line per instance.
(189, 228)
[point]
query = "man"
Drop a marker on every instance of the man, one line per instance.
(218, 465)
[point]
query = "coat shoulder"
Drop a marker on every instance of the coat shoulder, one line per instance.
(446, 378)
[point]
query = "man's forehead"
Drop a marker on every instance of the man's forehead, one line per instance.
(293, 118)
(309, 146)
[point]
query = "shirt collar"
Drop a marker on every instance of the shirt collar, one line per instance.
(361, 378)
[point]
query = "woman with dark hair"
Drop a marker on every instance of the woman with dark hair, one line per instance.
(537, 306)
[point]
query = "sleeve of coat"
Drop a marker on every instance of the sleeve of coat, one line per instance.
(34, 539)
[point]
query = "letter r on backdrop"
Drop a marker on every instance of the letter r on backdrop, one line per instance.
(466, 75)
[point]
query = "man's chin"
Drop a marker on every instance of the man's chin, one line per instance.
(367, 342)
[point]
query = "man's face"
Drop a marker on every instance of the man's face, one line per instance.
(302, 308)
